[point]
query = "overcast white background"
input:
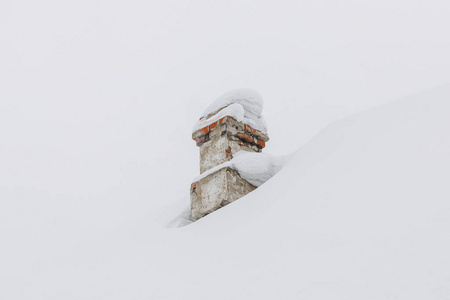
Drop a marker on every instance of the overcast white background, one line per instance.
(98, 98)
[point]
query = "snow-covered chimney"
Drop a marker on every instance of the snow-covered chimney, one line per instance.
(231, 124)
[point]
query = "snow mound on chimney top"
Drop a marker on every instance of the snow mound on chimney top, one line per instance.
(249, 99)
(244, 105)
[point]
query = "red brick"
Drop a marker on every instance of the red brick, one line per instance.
(261, 143)
(245, 137)
(213, 125)
(204, 130)
(228, 152)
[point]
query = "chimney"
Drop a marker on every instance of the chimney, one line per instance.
(222, 137)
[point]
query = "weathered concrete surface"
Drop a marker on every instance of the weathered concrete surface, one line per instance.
(214, 152)
(217, 190)
(219, 141)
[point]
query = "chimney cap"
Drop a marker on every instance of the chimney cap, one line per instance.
(244, 105)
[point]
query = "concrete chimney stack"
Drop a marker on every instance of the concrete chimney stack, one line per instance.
(218, 141)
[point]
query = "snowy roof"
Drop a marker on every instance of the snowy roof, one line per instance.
(244, 105)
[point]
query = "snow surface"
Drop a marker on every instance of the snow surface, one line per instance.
(95, 149)
(244, 105)
(255, 167)
(360, 212)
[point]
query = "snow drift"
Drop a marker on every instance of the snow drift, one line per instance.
(254, 167)
(360, 212)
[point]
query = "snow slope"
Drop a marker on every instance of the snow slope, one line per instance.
(361, 212)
